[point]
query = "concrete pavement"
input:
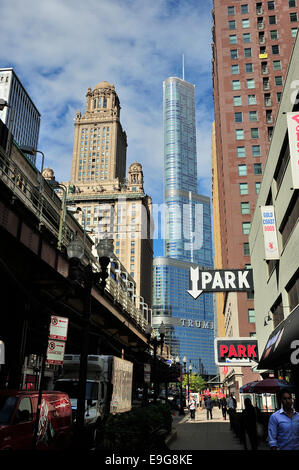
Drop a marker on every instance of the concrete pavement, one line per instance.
(203, 434)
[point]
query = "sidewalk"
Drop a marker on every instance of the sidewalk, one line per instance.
(203, 434)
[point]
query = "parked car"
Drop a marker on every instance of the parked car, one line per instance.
(18, 415)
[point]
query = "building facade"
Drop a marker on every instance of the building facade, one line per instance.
(277, 281)
(106, 200)
(252, 43)
(188, 239)
(21, 115)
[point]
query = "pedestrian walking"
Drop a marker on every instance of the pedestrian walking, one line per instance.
(283, 428)
(249, 425)
(209, 406)
(192, 408)
(223, 403)
(232, 405)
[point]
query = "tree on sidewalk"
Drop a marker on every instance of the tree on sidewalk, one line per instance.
(196, 382)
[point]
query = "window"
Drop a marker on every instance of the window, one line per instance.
(247, 52)
(266, 83)
(237, 101)
(293, 291)
(278, 96)
(271, 5)
(293, 17)
(236, 85)
(246, 250)
(231, 11)
(273, 34)
(234, 53)
(275, 49)
(292, 3)
(252, 115)
(294, 32)
(257, 168)
(239, 134)
(243, 188)
(246, 23)
(233, 39)
(272, 19)
(251, 99)
(290, 219)
(242, 170)
(241, 152)
(278, 80)
(24, 411)
(256, 150)
(276, 64)
(244, 9)
(251, 315)
(248, 68)
(254, 133)
(257, 187)
(250, 83)
(245, 207)
(246, 37)
(235, 69)
(245, 228)
(238, 117)
(267, 99)
(232, 24)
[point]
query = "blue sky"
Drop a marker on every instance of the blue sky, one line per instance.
(61, 47)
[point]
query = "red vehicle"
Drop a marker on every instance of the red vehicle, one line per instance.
(18, 414)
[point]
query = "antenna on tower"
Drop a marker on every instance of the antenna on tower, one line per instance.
(183, 67)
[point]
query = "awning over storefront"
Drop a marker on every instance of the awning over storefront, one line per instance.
(277, 352)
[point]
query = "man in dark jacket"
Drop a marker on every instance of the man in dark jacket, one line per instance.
(209, 406)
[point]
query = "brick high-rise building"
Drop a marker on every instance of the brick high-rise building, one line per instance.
(252, 43)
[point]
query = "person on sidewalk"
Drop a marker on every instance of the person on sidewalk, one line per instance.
(223, 407)
(249, 425)
(232, 405)
(192, 408)
(283, 427)
(209, 406)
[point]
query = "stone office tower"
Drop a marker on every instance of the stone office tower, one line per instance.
(108, 201)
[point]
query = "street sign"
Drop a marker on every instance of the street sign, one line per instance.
(58, 328)
(55, 352)
(236, 351)
(219, 280)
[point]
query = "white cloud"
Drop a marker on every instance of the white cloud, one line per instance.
(61, 47)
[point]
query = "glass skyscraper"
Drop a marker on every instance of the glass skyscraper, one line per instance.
(188, 237)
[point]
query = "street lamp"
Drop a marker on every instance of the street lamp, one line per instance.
(181, 412)
(87, 278)
(189, 372)
(56, 185)
(32, 151)
(155, 342)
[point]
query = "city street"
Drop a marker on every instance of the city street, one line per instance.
(203, 434)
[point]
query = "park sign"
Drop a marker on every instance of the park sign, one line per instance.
(220, 280)
(235, 351)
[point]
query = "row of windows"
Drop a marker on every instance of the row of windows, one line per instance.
(95, 130)
(255, 151)
(248, 67)
(271, 20)
(251, 99)
(246, 37)
(247, 52)
(231, 10)
(257, 169)
(253, 116)
(244, 188)
(250, 83)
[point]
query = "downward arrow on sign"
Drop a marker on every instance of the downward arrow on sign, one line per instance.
(194, 276)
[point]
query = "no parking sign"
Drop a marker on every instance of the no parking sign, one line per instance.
(55, 352)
